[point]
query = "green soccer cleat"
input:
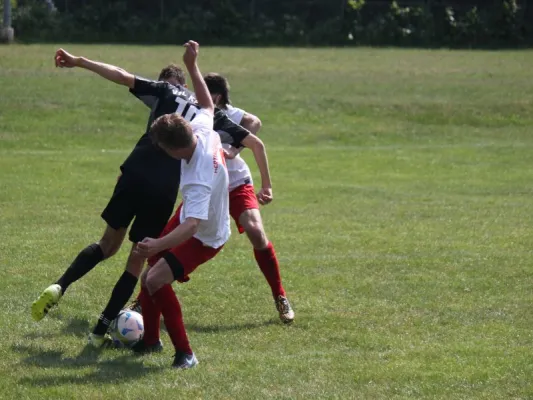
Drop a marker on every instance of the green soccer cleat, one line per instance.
(100, 341)
(49, 298)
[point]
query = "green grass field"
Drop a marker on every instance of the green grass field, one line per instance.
(403, 187)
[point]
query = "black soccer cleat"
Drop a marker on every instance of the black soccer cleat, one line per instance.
(184, 361)
(142, 348)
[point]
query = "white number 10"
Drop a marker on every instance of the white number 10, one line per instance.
(185, 109)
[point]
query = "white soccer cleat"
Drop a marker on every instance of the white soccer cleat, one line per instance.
(286, 314)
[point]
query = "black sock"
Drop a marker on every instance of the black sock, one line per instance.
(88, 258)
(120, 296)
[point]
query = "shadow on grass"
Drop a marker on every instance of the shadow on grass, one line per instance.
(120, 369)
(229, 328)
(77, 326)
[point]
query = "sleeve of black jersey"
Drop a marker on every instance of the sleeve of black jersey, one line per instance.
(230, 132)
(146, 87)
(147, 100)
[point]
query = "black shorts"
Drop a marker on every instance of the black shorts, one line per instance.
(133, 200)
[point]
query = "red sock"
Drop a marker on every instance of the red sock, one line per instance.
(171, 310)
(268, 263)
(151, 315)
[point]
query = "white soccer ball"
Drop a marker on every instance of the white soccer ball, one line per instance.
(127, 328)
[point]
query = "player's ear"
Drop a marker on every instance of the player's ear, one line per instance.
(185, 85)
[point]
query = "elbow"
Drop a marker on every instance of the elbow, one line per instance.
(257, 125)
(259, 145)
(193, 226)
(253, 143)
(126, 79)
(252, 123)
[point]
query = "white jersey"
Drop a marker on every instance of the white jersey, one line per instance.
(204, 184)
(238, 170)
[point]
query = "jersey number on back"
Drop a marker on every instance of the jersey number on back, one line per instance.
(185, 109)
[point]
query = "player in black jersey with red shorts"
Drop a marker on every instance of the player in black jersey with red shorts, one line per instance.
(145, 192)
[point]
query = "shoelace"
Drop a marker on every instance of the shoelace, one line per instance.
(283, 305)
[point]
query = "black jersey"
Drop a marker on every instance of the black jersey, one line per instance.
(150, 163)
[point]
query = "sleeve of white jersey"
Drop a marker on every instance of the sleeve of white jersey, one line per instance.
(203, 120)
(235, 114)
(196, 198)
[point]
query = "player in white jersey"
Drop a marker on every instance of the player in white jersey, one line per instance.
(243, 202)
(200, 227)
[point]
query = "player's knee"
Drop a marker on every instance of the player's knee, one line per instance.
(143, 281)
(257, 235)
(135, 268)
(135, 262)
(143, 278)
(111, 241)
(109, 247)
(152, 283)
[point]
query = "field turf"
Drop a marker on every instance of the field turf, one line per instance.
(403, 187)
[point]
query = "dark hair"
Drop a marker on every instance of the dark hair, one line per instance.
(217, 84)
(172, 71)
(171, 131)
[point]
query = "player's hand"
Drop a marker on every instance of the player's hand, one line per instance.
(190, 55)
(231, 153)
(264, 196)
(148, 247)
(64, 59)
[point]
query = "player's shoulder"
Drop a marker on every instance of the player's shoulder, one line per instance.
(182, 92)
(207, 145)
(232, 109)
(234, 113)
(203, 120)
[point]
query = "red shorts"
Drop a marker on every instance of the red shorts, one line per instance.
(242, 198)
(189, 254)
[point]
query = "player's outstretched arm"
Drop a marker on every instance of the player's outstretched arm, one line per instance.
(184, 231)
(203, 97)
(64, 59)
(258, 149)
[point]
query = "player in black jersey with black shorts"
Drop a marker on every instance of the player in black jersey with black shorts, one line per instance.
(145, 192)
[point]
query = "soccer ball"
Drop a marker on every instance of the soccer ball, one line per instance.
(127, 329)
